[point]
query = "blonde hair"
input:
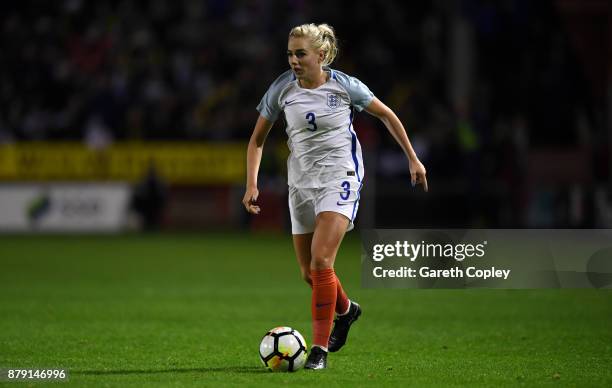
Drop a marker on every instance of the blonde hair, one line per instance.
(322, 37)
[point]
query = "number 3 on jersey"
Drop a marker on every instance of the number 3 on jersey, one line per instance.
(310, 116)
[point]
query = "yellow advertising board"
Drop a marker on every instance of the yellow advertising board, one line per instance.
(175, 162)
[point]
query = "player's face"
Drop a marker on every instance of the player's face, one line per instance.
(304, 60)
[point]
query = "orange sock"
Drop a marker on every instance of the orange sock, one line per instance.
(324, 294)
(342, 302)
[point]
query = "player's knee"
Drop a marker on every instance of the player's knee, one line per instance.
(321, 262)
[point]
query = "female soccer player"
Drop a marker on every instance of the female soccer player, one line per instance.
(325, 170)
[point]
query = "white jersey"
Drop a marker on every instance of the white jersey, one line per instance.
(324, 148)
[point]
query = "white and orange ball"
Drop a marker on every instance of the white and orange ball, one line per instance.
(283, 349)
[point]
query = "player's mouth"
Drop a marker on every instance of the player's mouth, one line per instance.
(297, 70)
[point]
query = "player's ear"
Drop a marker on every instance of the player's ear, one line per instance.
(321, 56)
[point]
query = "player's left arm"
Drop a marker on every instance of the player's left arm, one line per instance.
(394, 125)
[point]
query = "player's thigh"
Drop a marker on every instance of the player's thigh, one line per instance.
(302, 244)
(330, 228)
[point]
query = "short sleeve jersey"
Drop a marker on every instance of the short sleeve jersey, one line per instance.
(324, 150)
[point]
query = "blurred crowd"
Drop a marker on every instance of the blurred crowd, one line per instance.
(195, 70)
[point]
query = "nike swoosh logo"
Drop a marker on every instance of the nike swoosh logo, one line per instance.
(341, 204)
(287, 102)
(323, 304)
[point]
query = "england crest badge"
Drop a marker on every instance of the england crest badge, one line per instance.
(333, 100)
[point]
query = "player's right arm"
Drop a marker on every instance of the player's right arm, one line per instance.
(254, 152)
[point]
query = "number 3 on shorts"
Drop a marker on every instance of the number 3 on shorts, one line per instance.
(347, 187)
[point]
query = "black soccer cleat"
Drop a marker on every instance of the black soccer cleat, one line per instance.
(317, 359)
(342, 324)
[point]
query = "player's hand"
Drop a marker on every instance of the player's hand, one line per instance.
(418, 174)
(249, 199)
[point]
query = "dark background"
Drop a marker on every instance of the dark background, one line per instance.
(507, 103)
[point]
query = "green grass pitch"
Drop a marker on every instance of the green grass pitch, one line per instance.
(190, 310)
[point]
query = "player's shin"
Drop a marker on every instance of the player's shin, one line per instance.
(324, 294)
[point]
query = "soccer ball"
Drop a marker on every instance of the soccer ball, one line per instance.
(283, 349)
